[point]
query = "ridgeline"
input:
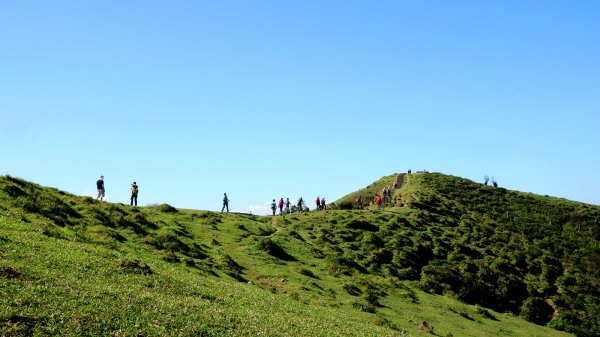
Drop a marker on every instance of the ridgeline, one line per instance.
(445, 255)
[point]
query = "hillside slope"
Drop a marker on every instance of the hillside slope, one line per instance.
(532, 255)
(73, 266)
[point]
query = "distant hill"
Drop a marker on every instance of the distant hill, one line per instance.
(468, 259)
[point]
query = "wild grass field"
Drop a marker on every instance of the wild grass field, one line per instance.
(73, 266)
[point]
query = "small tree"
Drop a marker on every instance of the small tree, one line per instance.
(494, 183)
(486, 179)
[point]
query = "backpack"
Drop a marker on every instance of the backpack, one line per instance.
(134, 189)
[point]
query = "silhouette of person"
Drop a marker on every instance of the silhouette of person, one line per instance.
(100, 187)
(134, 194)
(225, 203)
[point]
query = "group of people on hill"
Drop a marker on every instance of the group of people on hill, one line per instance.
(285, 207)
(386, 197)
(280, 204)
(320, 203)
(102, 192)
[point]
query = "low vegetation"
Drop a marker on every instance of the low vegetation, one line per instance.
(467, 259)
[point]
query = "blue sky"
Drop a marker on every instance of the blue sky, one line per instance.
(269, 99)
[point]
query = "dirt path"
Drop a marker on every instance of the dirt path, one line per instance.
(274, 225)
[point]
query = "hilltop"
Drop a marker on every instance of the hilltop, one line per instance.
(470, 260)
(532, 255)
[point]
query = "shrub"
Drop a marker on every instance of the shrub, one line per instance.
(166, 208)
(384, 322)
(343, 204)
(362, 225)
(296, 235)
(365, 307)
(231, 268)
(273, 249)
(10, 273)
(170, 257)
(351, 289)
(307, 272)
(340, 265)
(135, 266)
(536, 310)
(53, 231)
(485, 313)
(437, 279)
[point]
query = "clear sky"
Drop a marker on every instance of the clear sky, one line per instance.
(268, 99)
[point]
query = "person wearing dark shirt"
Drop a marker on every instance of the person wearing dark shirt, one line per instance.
(134, 193)
(225, 203)
(100, 187)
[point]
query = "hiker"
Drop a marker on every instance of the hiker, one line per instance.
(100, 187)
(318, 202)
(395, 184)
(378, 202)
(134, 194)
(300, 202)
(358, 205)
(280, 206)
(384, 193)
(273, 206)
(287, 205)
(323, 206)
(409, 171)
(225, 203)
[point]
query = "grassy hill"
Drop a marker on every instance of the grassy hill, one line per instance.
(72, 266)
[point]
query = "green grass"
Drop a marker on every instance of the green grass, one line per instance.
(71, 266)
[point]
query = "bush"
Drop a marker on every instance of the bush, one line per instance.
(135, 266)
(536, 310)
(364, 307)
(362, 225)
(343, 204)
(351, 289)
(166, 208)
(231, 268)
(273, 249)
(170, 257)
(10, 273)
(307, 272)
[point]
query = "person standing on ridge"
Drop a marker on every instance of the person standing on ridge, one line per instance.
(378, 202)
(300, 207)
(287, 205)
(225, 203)
(280, 204)
(273, 206)
(384, 193)
(358, 204)
(134, 194)
(318, 202)
(100, 187)
(323, 206)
